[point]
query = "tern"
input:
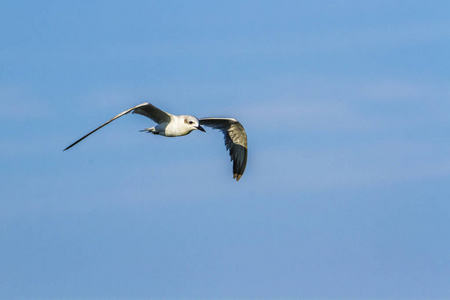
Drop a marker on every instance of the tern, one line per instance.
(171, 126)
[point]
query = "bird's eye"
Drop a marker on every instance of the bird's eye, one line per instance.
(191, 122)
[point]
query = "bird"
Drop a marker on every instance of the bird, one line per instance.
(170, 125)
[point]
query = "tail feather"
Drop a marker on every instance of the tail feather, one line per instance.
(151, 129)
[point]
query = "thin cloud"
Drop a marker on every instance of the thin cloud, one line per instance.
(365, 106)
(355, 166)
(287, 43)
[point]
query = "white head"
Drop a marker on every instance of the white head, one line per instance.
(192, 123)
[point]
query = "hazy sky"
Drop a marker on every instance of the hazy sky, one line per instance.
(346, 192)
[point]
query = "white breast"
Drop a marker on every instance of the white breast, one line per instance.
(177, 127)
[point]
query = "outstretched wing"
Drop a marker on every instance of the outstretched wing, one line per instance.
(152, 112)
(235, 141)
(145, 109)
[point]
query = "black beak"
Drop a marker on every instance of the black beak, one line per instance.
(201, 128)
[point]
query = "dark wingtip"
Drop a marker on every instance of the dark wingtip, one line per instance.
(237, 176)
(67, 148)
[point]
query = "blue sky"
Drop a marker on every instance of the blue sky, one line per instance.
(345, 195)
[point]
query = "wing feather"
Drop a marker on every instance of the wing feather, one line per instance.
(235, 141)
(145, 109)
(152, 112)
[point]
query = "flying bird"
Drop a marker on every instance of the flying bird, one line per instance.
(171, 126)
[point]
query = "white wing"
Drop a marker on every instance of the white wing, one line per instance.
(145, 109)
(152, 112)
(235, 141)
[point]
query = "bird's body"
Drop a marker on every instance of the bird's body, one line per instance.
(172, 126)
(176, 127)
